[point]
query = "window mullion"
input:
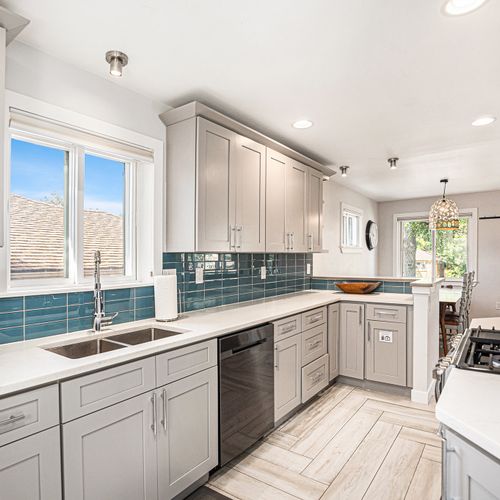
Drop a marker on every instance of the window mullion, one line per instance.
(78, 213)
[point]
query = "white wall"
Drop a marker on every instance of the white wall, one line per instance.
(487, 293)
(336, 263)
(36, 74)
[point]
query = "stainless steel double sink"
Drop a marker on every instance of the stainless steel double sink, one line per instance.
(118, 341)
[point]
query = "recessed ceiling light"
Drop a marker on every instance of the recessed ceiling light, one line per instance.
(302, 124)
(483, 120)
(461, 7)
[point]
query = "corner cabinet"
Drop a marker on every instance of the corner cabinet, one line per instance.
(228, 193)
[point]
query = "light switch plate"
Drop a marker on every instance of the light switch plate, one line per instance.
(199, 275)
(168, 272)
(263, 272)
(497, 306)
(308, 268)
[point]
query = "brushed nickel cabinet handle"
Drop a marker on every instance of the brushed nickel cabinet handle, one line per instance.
(277, 362)
(12, 419)
(154, 425)
(164, 401)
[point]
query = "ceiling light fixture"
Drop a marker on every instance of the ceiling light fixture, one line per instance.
(393, 163)
(344, 170)
(483, 120)
(462, 7)
(444, 215)
(117, 61)
(302, 124)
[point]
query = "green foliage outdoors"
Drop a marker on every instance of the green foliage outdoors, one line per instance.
(451, 246)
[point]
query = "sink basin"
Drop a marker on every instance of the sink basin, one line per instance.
(86, 348)
(142, 336)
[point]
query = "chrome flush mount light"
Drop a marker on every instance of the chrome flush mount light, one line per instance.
(393, 163)
(444, 215)
(117, 61)
(344, 170)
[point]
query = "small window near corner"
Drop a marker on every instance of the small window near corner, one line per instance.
(351, 228)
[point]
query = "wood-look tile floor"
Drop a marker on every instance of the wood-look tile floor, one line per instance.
(348, 444)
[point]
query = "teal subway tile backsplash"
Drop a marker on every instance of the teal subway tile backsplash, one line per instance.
(233, 278)
(30, 317)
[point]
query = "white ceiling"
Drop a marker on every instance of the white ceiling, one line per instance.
(377, 77)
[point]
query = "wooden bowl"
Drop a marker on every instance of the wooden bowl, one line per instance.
(365, 287)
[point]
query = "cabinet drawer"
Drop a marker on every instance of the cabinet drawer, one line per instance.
(287, 327)
(314, 343)
(89, 393)
(314, 377)
(313, 318)
(180, 363)
(386, 312)
(27, 413)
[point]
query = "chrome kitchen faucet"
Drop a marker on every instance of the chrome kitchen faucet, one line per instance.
(100, 318)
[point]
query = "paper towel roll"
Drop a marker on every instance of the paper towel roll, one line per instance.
(165, 297)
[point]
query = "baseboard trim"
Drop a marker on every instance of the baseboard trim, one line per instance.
(423, 397)
(374, 386)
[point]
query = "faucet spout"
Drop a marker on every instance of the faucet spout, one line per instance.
(100, 318)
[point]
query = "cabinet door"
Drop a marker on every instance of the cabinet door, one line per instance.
(112, 453)
(352, 340)
(314, 211)
(295, 207)
(249, 169)
(333, 339)
(276, 165)
(215, 212)
(287, 375)
(30, 469)
(385, 352)
(187, 443)
(469, 473)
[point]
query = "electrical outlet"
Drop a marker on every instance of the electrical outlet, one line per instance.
(199, 275)
(308, 268)
(497, 306)
(263, 272)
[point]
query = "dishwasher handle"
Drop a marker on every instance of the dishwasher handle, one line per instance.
(233, 352)
(243, 341)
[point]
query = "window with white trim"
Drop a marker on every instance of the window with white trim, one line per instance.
(455, 250)
(351, 228)
(71, 193)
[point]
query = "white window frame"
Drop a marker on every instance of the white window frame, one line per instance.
(357, 212)
(471, 213)
(148, 200)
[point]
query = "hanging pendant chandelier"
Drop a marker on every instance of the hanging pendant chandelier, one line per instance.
(444, 215)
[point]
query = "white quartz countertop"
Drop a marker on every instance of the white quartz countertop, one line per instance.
(470, 403)
(25, 365)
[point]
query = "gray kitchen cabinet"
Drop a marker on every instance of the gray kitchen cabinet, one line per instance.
(352, 340)
(249, 178)
(277, 164)
(295, 207)
(385, 352)
(333, 339)
(287, 375)
(111, 453)
(30, 469)
(215, 208)
(469, 473)
(187, 431)
(314, 210)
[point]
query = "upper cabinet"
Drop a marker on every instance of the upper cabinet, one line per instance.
(229, 193)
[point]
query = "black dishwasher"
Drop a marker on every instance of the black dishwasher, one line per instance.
(246, 390)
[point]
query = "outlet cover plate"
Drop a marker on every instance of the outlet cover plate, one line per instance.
(199, 275)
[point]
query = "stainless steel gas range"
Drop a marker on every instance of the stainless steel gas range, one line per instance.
(478, 349)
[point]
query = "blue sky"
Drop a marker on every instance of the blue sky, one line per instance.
(38, 171)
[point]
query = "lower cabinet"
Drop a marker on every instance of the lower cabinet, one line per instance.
(30, 469)
(112, 453)
(333, 339)
(468, 472)
(385, 352)
(352, 340)
(314, 377)
(287, 375)
(187, 432)
(148, 447)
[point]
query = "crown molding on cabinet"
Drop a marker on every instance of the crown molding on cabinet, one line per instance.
(12, 23)
(196, 108)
